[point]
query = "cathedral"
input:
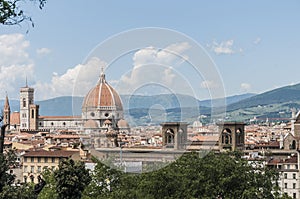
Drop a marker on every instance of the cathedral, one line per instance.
(102, 114)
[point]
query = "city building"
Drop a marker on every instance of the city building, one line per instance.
(35, 162)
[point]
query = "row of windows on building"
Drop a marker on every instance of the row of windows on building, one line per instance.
(52, 124)
(287, 187)
(31, 169)
(39, 159)
(294, 194)
(286, 176)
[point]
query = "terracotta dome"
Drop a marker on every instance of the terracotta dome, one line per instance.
(91, 124)
(102, 96)
(123, 124)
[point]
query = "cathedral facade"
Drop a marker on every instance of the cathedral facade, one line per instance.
(102, 111)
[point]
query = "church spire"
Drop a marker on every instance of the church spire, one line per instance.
(6, 104)
(6, 111)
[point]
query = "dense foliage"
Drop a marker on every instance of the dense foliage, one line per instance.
(11, 12)
(193, 175)
(6, 162)
(71, 179)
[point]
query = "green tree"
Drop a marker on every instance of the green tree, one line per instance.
(194, 176)
(11, 12)
(71, 179)
(104, 180)
(49, 190)
(24, 191)
(7, 160)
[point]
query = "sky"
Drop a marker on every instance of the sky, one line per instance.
(244, 46)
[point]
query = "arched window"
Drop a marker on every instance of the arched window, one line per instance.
(226, 136)
(24, 102)
(238, 136)
(293, 145)
(32, 113)
(170, 136)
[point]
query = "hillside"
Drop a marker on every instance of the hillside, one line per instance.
(287, 94)
(274, 105)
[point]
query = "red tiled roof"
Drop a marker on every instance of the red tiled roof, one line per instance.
(291, 160)
(15, 118)
(102, 95)
(43, 153)
(205, 138)
(59, 117)
(66, 136)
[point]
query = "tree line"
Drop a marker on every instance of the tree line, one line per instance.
(193, 175)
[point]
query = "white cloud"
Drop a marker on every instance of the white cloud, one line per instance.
(43, 51)
(15, 64)
(224, 47)
(13, 49)
(154, 66)
(172, 54)
(209, 84)
(245, 87)
(76, 81)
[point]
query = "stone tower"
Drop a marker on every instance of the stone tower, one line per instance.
(26, 100)
(231, 135)
(174, 135)
(6, 112)
(34, 113)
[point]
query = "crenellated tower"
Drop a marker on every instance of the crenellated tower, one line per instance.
(26, 100)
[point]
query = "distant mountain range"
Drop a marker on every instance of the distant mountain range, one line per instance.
(274, 104)
(68, 105)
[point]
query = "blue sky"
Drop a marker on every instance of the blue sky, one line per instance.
(254, 44)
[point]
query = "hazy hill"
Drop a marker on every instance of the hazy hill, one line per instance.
(285, 94)
(229, 100)
(68, 105)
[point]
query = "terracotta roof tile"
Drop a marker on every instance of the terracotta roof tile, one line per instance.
(44, 153)
(15, 118)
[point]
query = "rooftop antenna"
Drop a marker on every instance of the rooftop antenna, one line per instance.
(26, 81)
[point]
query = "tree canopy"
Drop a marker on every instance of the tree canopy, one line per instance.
(11, 12)
(222, 175)
(192, 176)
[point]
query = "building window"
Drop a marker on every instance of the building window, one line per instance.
(53, 160)
(32, 169)
(24, 102)
(294, 185)
(46, 160)
(39, 159)
(285, 176)
(32, 113)
(53, 167)
(294, 176)
(32, 159)
(288, 166)
(52, 123)
(39, 169)
(25, 159)
(294, 195)
(25, 169)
